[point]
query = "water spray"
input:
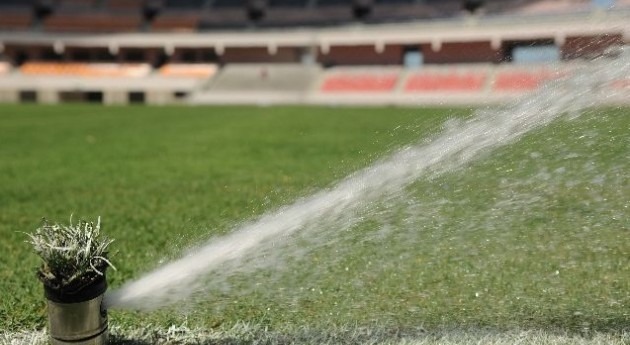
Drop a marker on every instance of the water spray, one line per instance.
(460, 143)
(73, 275)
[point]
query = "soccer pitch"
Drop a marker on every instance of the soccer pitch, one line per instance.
(532, 236)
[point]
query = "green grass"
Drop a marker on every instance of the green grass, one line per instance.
(533, 236)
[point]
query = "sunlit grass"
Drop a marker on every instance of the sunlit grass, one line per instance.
(530, 237)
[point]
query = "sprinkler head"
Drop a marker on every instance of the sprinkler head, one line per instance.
(73, 274)
(78, 318)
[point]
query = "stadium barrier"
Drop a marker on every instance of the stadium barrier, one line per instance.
(111, 83)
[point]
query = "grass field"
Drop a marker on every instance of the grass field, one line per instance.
(533, 237)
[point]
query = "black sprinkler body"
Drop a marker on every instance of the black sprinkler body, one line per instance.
(78, 318)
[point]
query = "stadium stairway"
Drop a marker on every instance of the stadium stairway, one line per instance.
(258, 84)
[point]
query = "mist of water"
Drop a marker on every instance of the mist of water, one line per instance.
(345, 202)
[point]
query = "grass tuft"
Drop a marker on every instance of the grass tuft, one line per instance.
(74, 255)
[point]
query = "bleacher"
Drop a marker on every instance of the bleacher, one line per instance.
(5, 67)
(259, 83)
(193, 15)
(451, 79)
(194, 71)
(523, 79)
(125, 47)
(359, 80)
(92, 21)
(88, 70)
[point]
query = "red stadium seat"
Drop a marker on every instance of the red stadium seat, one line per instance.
(359, 82)
(522, 80)
(451, 81)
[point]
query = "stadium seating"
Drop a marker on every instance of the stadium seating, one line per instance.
(198, 71)
(177, 21)
(85, 69)
(444, 81)
(229, 3)
(400, 11)
(15, 18)
(520, 79)
(93, 21)
(227, 17)
(184, 4)
(288, 3)
(124, 5)
(264, 77)
(621, 84)
(77, 4)
(547, 7)
(5, 67)
(350, 80)
(292, 16)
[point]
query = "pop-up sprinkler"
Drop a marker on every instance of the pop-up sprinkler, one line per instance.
(73, 274)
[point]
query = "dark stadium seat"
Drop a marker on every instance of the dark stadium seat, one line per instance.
(77, 4)
(365, 81)
(184, 4)
(387, 2)
(223, 18)
(16, 3)
(288, 3)
(176, 21)
(446, 8)
(334, 2)
(96, 21)
(286, 16)
(15, 18)
(124, 5)
(400, 12)
(467, 81)
(230, 3)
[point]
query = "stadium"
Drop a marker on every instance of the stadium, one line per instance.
(320, 171)
(334, 52)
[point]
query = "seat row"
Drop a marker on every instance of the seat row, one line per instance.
(438, 80)
(116, 70)
(192, 15)
(339, 80)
